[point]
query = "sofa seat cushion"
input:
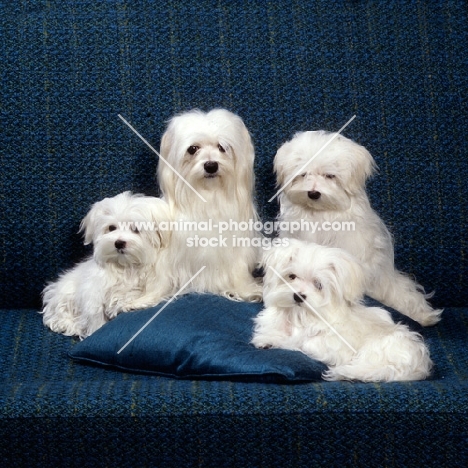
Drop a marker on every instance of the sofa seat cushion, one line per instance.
(46, 396)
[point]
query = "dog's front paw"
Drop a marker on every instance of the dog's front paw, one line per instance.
(137, 304)
(261, 342)
(265, 346)
(127, 306)
(114, 308)
(113, 311)
(66, 327)
(254, 293)
(248, 291)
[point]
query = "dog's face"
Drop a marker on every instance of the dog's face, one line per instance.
(335, 170)
(309, 273)
(210, 150)
(123, 229)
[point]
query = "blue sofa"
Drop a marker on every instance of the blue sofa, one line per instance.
(70, 67)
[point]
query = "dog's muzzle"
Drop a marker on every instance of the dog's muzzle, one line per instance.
(211, 167)
(314, 195)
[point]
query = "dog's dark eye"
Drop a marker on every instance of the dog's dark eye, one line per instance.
(318, 284)
(330, 176)
(304, 174)
(292, 276)
(192, 149)
(221, 148)
(112, 228)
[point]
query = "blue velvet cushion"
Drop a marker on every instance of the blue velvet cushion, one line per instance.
(195, 336)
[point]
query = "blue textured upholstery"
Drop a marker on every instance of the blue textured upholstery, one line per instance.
(70, 67)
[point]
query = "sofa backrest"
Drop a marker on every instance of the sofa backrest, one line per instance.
(69, 68)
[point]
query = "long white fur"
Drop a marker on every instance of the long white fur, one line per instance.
(219, 136)
(113, 280)
(331, 324)
(339, 174)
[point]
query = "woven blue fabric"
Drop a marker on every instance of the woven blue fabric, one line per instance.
(69, 67)
(56, 412)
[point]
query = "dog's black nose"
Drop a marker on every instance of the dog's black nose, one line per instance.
(259, 272)
(211, 167)
(120, 244)
(314, 195)
(299, 297)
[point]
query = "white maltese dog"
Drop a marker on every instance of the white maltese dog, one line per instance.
(328, 198)
(127, 270)
(313, 297)
(208, 183)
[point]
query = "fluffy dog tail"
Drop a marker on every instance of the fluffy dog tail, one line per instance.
(403, 294)
(401, 356)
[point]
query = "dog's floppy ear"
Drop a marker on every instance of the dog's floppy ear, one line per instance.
(362, 166)
(159, 212)
(167, 142)
(232, 131)
(349, 276)
(88, 224)
(289, 158)
(279, 163)
(246, 148)
(279, 257)
(164, 172)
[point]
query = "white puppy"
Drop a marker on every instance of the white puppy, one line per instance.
(127, 270)
(313, 297)
(330, 193)
(212, 194)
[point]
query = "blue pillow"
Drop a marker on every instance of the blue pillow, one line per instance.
(197, 336)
